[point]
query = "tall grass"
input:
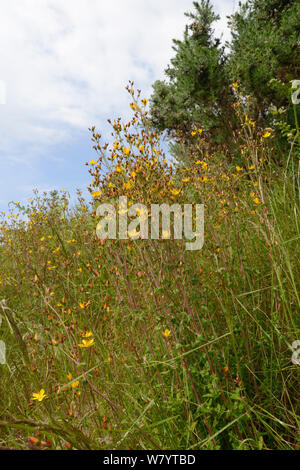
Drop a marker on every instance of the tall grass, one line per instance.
(191, 350)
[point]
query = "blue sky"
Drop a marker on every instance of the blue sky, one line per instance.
(65, 65)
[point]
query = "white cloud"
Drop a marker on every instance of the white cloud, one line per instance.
(66, 63)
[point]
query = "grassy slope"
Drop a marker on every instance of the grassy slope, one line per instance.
(223, 377)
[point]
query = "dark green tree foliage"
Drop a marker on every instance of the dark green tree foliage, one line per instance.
(197, 90)
(265, 45)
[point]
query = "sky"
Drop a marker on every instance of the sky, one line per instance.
(64, 66)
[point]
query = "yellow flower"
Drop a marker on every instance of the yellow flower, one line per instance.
(175, 192)
(75, 384)
(256, 201)
(87, 343)
(166, 333)
(252, 194)
(126, 151)
(119, 169)
(69, 376)
(238, 168)
(92, 162)
(266, 135)
(96, 194)
(141, 148)
(39, 396)
(127, 185)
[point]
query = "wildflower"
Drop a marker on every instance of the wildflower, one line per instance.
(75, 384)
(92, 162)
(96, 194)
(87, 343)
(141, 148)
(226, 369)
(238, 168)
(256, 201)
(33, 440)
(127, 185)
(126, 151)
(266, 135)
(39, 396)
(175, 192)
(166, 333)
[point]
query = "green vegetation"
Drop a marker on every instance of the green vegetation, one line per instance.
(140, 344)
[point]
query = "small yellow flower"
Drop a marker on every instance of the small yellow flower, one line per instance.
(127, 185)
(39, 396)
(175, 192)
(266, 135)
(256, 201)
(126, 151)
(141, 148)
(92, 162)
(75, 384)
(166, 333)
(96, 194)
(238, 168)
(87, 343)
